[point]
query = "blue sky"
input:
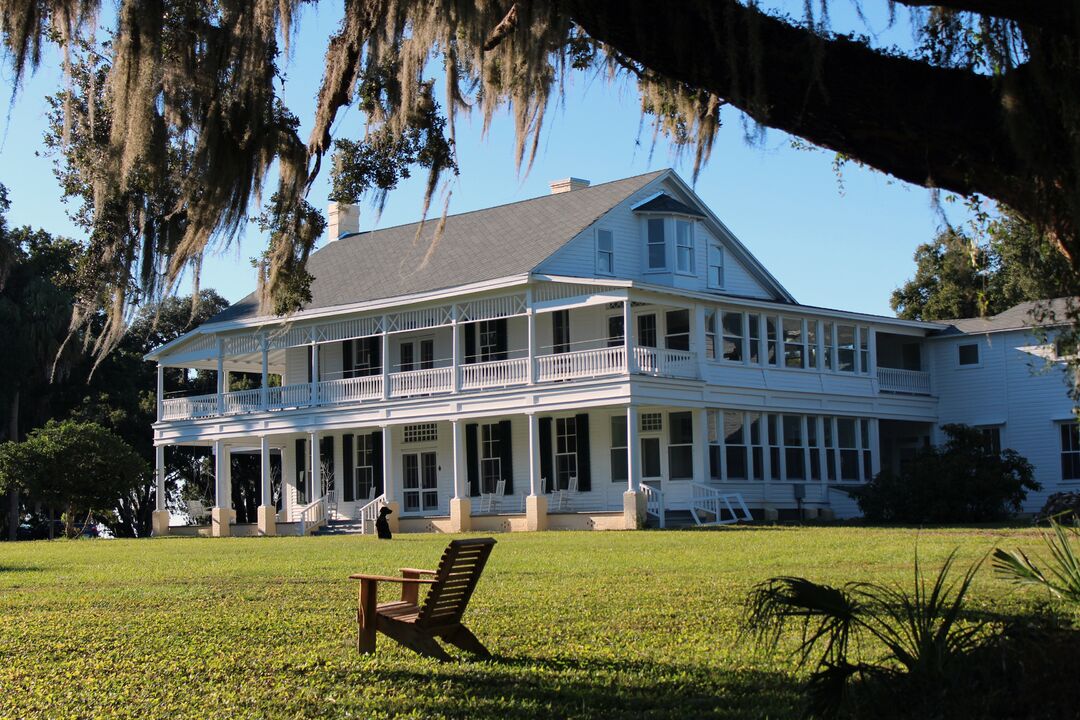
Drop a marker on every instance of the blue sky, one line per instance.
(836, 248)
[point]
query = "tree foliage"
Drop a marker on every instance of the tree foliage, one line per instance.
(963, 480)
(983, 271)
(190, 123)
(77, 466)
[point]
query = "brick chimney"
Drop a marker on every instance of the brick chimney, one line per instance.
(342, 219)
(567, 185)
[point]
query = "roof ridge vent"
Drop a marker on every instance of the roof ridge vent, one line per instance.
(567, 185)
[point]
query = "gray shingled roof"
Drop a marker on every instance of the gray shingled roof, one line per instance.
(664, 203)
(1018, 317)
(475, 246)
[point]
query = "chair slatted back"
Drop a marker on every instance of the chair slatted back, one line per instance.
(455, 579)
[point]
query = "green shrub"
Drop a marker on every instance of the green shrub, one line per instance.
(960, 481)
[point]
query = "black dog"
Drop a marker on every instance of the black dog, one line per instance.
(382, 527)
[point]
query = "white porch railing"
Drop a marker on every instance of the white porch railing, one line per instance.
(369, 513)
(312, 516)
(287, 396)
(422, 382)
(581, 364)
(705, 499)
(912, 382)
(654, 502)
(661, 361)
(368, 387)
(497, 373)
(196, 406)
(241, 401)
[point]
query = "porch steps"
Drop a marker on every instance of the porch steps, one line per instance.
(340, 527)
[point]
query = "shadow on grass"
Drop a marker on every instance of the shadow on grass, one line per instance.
(513, 688)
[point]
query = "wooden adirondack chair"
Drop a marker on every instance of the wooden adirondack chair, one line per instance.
(416, 625)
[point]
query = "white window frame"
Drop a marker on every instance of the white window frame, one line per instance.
(1073, 450)
(365, 451)
(490, 457)
(978, 354)
(420, 433)
(565, 437)
(715, 260)
(605, 256)
(688, 247)
(737, 340)
(649, 244)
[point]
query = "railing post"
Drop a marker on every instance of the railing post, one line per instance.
(222, 385)
(314, 371)
(628, 329)
(698, 344)
(160, 391)
(633, 450)
(455, 348)
(531, 320)
(384, 359)
(872, 346)
(264, 389)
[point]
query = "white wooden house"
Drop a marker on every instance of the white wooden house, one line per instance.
(585, 359)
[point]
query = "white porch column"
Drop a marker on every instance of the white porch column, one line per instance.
(701, 445)
(315, 481)
(221, 515)
(633, 500)
(819, 353)
(628, 334)
(858, 347)
(455, 347)
(222, 380)
(872, 347)
(384, 359)
(314, 373)
(390, 475)
(264, 388)
(460, 504)
(267, 513)
(160, 518)
(536, 506)
(531, 319)
(698, 345)
(160, 390)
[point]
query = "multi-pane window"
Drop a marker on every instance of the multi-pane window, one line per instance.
(830, 344)
(566, 459)
(652, 422)
(424, 432)
(678, 330)
(560, 331)
(681, 445)
(716, 265)
(864, 436)
(794, 351)
(710, 334)
(991, 439)
(650, 457)
(845, 352)
(417, 355)
(420, 481)
(757, 447)
(773, 437)
(848, 443)
(488, 340)
(815, 451)
(1070, 451)
(367, 357)
(490, 457)
(619, 467)
(657, 248)
(646, 325)
(811, 344)
(364, 472)
(406, 354)
(605, 252)
(716, 447)
(864, 350)
(735, 445)
(755, 339)
(615, 331)
(771, 340)
(794, 453)
(830, 450)
(968, 354)
(733, 336)
(684, 246)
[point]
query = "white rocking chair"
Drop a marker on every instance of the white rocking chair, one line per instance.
(489, 502)
(563, 499)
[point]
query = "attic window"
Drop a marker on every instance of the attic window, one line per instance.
(605, 252)
(968, 354)
(657, 245)
(716, 265)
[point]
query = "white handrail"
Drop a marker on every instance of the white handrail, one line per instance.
(654, 502)
(422, 382)
(712, 501)
(313, 515)
(581, 364)
(914, 382)
(241, 401)
(369, 513)
(285, 396)
(495, 373)
(662, 361)
(367, 387)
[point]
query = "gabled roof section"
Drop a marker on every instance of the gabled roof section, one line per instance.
(475, 246)
(1036, 313)
(664, 203)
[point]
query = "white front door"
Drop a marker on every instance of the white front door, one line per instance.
(420, 482)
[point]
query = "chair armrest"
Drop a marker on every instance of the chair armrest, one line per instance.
(387, 578)
(416, 571)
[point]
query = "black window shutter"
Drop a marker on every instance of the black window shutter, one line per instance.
(377, 462)
(547, 471)
(501, 339)
(347, 493)
(470, 342)
(307, 353)
(472, 460)
(584, 466)
(301, 464)
(347, 358)
(507, 456)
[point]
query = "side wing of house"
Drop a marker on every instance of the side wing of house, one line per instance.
(628, 240)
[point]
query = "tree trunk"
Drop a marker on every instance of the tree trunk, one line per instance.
(69, 522)
(13, 514)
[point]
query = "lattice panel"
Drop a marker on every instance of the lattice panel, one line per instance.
(348, 329)
(491, 308)
(419, 319)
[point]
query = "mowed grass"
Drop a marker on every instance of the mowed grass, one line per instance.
(619, 624)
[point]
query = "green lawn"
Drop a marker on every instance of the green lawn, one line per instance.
(642, 624)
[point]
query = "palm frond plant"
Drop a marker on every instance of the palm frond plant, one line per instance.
(869, 631)
(1061, 575)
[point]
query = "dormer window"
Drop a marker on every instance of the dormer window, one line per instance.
(716, 265)
(657, 245)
